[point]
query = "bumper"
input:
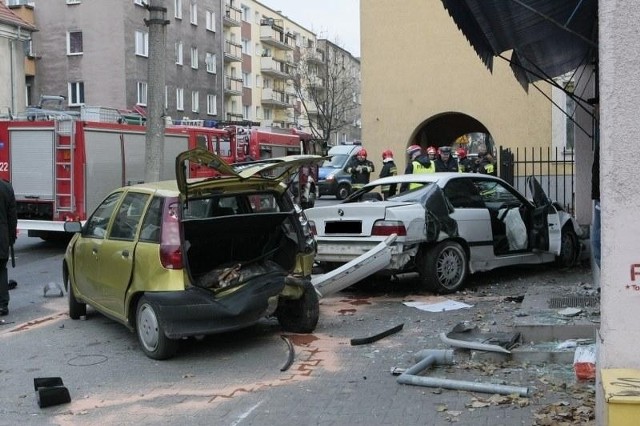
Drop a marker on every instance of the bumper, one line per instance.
(342, 251)
(197, 311)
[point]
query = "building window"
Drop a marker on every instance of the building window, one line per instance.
(73, 1)
(210, 60)
(179, 53)
(246, 79)
(258, 116)
(195, 101)
(246, 46)
(212, 108)
(268, 114)
(180, 99)
(74, 43)
(246, 112)
(137, 2)
(142, 93)
(177, 7)
(76, 93)
(210, 20)
(142, 43)
(166, 97)
(246, 13)
(193, 10)
(194, 58)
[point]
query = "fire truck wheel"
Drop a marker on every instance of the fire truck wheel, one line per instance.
(344, 189)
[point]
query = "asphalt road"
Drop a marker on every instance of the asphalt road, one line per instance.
(236, 378)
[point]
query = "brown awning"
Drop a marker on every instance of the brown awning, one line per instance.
(547, 38)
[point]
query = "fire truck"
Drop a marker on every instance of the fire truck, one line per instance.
(61, 167)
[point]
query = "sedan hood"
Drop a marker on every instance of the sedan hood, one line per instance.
(266, 173)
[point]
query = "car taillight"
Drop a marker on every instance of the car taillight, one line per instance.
(388, 227)
(170, 247)
(312, 226)
(307, 231)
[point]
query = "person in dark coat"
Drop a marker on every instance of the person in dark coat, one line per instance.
(465, 164)
(446, 162)
(360, 169)
(485, 163)
(388, 169)
(8, 231)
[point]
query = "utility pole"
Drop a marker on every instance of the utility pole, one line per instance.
(154, 142)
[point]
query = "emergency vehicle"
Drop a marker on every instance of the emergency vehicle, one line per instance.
(62, 167)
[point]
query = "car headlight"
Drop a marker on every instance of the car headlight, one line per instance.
(331, 177)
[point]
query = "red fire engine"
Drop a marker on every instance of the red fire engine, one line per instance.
(61, 169)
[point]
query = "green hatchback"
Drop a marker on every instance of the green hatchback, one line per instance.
(192, 257)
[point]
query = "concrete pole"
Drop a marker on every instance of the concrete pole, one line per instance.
(154, 142)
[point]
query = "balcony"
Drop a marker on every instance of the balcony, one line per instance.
(273, 68)
(315, 57)
(315, 83)
(275, 99)
(232, 86)
(232, 16)
(273, 35)
(232, 51)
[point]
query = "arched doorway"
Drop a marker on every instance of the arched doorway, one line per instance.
(453, 129)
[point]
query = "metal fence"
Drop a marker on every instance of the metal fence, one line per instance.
(552, 167)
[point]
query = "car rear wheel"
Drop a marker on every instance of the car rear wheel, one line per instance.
(299, 315)
(443, 268)
(568, 248)
(76, 309)
(343, 191)
(155, 344)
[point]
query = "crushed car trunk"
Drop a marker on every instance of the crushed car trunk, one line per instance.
(248, 248)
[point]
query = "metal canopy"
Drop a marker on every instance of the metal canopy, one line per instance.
(548, 38)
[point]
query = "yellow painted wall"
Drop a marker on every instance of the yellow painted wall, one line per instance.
(416, 64)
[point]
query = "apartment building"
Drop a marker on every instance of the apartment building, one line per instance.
(225, 60)
(16, 62)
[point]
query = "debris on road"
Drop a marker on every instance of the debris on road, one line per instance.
(467, 336)
(371, 339)
(292, 353)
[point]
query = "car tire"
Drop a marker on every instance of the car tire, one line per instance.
(443, 268)
(299, 315)
(155, 344)
(76, 309)
(568, 248)
(343, 191)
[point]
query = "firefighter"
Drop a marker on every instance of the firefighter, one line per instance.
(485, 163)
(465, 164)
(446, 162)
(432, 152)
(418, 164)
(360, 170)
(388, 169)
(8, 233)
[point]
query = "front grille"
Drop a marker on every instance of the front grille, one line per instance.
(574, 302)
(343, 227)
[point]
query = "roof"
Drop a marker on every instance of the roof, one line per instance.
(548, 38)
(8, 17)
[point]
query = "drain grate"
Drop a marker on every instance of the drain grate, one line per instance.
(574, 302)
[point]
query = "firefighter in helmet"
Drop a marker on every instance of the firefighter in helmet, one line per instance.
(360, 169)
(432, 153)
(418, 163)
(388, 169)
(465, 164)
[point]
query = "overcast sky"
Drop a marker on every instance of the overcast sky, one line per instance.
(336, 20)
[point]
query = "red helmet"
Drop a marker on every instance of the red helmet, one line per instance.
(362, 153)
(413, 149)
(461, 152)
(432, 150)
(387, 154)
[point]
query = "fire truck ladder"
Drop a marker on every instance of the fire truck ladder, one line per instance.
(65, 142)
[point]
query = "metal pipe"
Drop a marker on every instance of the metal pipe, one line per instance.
(429, 357)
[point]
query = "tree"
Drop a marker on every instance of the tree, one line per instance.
(326, 81)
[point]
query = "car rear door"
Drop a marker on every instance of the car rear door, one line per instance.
(117, 253)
